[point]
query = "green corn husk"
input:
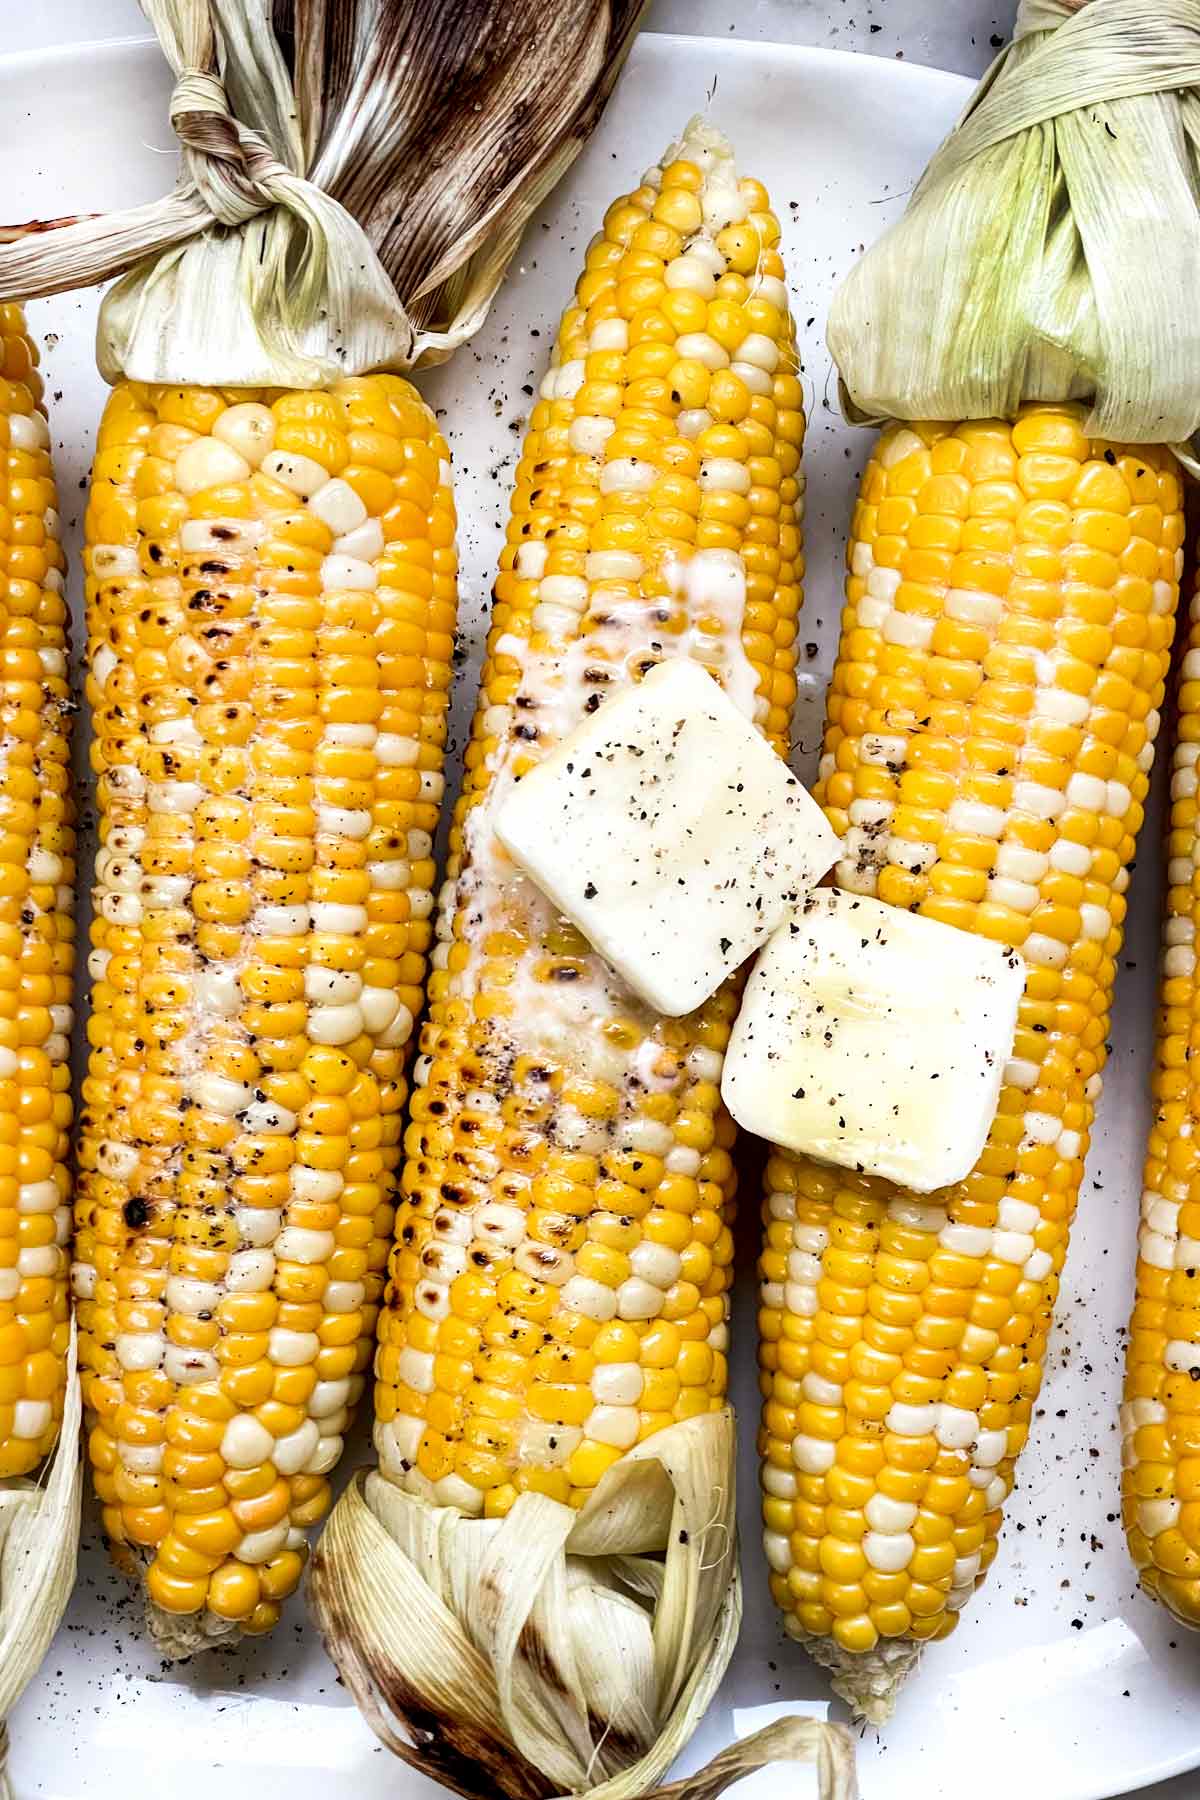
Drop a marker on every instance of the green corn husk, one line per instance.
(1049, 251)
(354, 178)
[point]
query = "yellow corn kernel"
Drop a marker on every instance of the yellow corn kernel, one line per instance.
(270, 611)
(565, 1198)
(37, 874)
(978, 648)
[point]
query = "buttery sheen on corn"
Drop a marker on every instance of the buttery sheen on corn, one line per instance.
(37, 873)
(558, 1289)
(270, 608)
(1160, 1418)
(1009, 612)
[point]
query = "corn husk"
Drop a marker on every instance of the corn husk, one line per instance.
(554, 1652)
(1049, 251)
(39, 1541)
(354, 177)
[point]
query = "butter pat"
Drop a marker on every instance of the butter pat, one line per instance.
(875, 1039)
(669, 832)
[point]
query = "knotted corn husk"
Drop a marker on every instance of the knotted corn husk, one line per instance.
(354, 177)
(39, 1541)
(1049, 251)
(555, 1652)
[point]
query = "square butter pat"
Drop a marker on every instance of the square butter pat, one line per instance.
(875, 1039)
(670, 833)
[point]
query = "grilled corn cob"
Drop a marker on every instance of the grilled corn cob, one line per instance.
(558, 1289)
(37, 847)
(1160, 1418)
(270, 609)
(990, 730)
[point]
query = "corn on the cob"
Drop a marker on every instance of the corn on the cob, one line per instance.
(558, 1289)
(271, 600)
(991, 724)
(1160, 1417)
(37, 847)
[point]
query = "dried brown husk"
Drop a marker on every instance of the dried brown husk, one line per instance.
(555, 1652)
(39, 1541)
(355, 176)
(1049, 251)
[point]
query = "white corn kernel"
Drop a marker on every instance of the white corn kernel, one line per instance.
(614, 1425)
(314, 1184)
(218, 1094)
(343, 1296)
(250, 1271)
(328, 1397)
(379, 1007)
(302, 474)
(292, 1349)
(140, 1350)
(752, 376)
(257, 1226)
(888, 1551)
(882, 1513)
(593, 1300)
(690, 274)
(207, 462)
(415, 1370)
(330, 915)
(246, 1444)
(107, 562)
(188, 1367)
(618, 1384)
(248, 428)
(626, 474)
(656, 1264)
(28, 431)
(698, 346)
(326, 1455)
(261, 1546)
(348, 572)
(331, 987)
(364, 542)
(693, 420)
(337, 505)
(639, 1298)
(219, 538)
(812, 1456)
(587, 436)
(335, 1024)
(31, 1418)
(298, 1245)
(291, 1453)
(185, 1294)
(724, 474)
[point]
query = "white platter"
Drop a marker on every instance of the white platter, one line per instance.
(1061, 1683)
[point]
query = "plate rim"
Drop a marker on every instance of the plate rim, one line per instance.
(656, 45)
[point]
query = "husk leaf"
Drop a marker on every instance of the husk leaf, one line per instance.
(1049, 251)
(553, 1652)
(354, 178)
(39, 1542)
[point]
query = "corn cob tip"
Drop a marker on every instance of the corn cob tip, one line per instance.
(178, 1636)
(870, 1682)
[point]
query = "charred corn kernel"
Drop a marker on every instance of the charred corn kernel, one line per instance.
(1160, 1477)
(987, 751)
(270, 611)
(37, 874)
(567, 1173)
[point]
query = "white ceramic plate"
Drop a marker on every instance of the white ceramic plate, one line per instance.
(1061, 1683)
